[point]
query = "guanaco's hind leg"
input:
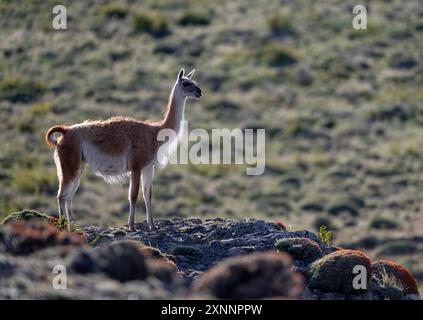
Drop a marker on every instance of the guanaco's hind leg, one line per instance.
(69, 169)
(134, 187)
(147, 191)
(73, 188)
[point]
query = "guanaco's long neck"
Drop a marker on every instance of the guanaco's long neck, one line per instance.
(175, 110)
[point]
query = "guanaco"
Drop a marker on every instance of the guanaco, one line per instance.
(117, 148)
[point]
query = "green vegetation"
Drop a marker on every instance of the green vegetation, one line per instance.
(325, 235)
(384, 223)
(276, 55)
(281, 25)
(21, 90)
(334, 272)
(299, 248)
(189, 252)
(25, 215)
(151, 22)
(114, 10)
(191, 18)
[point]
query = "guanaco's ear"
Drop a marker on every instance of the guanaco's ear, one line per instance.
(181, 73)
(189, 75)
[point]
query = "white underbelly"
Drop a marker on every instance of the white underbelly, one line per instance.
(113, 169)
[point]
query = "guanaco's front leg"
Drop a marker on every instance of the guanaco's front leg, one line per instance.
(147, 191)
(134, 187)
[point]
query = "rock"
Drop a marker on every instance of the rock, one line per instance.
(334, 272)
(389, 274)
(6, 265)
(299, 248)
(254, 276)
(237, 251)
(184, 258)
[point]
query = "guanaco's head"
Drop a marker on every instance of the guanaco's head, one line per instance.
(187, 86)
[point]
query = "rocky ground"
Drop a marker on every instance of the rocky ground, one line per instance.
(187, 258)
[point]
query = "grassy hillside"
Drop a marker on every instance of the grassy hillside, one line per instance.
(343, 109)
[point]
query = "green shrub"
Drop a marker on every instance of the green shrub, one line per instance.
(299, 248)
(61, 223)
(152, 23)
(25, 215)
(334, 272)
(34, 181)
(121, 260)
(21, 90)
(349, 205)
(321, 220)
(280, 25)
(191, 253)
(391, 274)
(325, 235)
(39, 109)
(114, 10)
(192, 18)
(384, 223)
(397, 248)
(277, 55)
(254, 276)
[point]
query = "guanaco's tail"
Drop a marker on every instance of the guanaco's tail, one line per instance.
(49, 135)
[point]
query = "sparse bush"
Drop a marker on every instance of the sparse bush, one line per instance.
(391, 274)
(21, 90)
(254, 276)
(114, 10)
(334, 272)
(121, 260)
(62, 224)
(24, 237)
(305, 76)
(39, 109)
(396, 248)
(192, 18)
(339, 208)
(35, 181)
(325, 235)
(162, 269)
(401, 112)
(276, 55)
(367, 242)
(165, 48)
(384, 223)
(323, 221)
(403, 60)
(191, 253)
(152, 23)
(281, 25)
(125, 260)
(299, 248)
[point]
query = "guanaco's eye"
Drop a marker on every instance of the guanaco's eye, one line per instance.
(185, 84)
